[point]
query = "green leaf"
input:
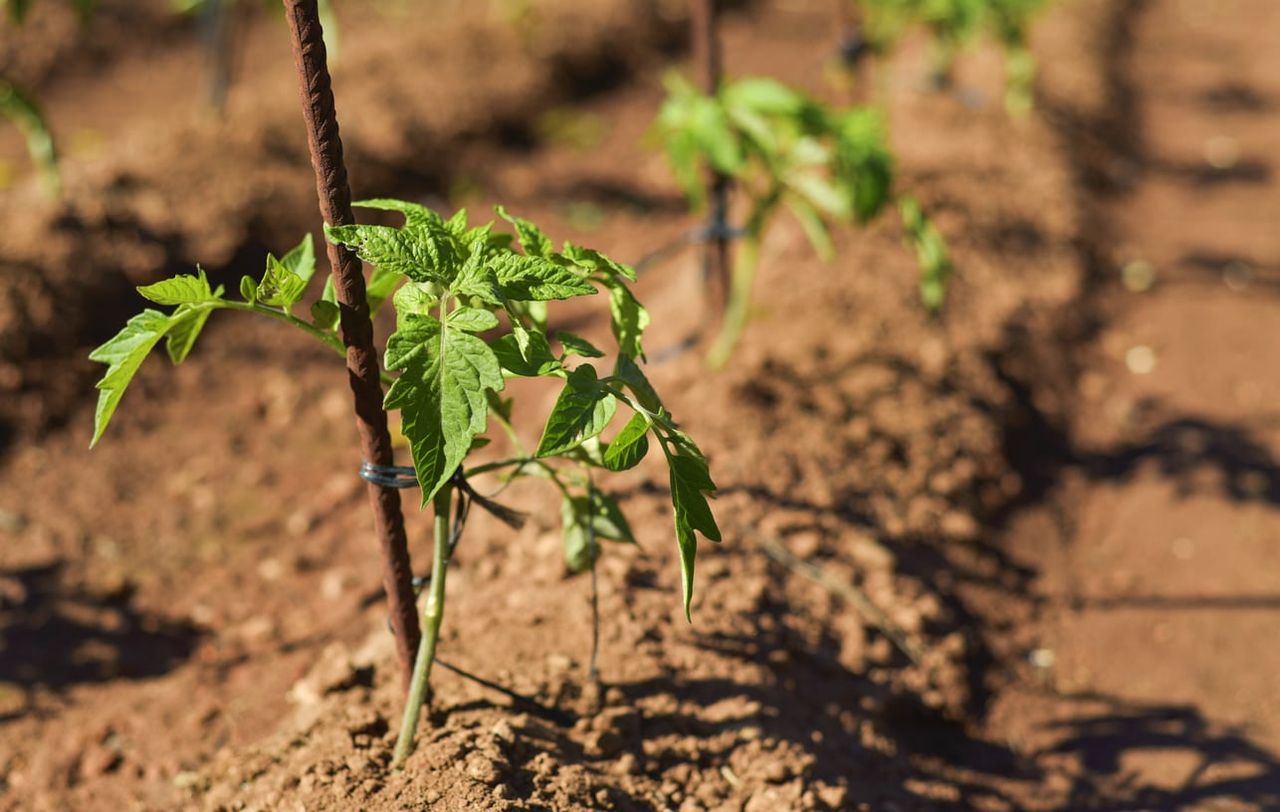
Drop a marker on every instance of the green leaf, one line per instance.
(123, 354)
(441, 394)
(472, 319)
(814, 228)
(626, 369)
(532, 278)
(457, 225)
(863, 165)
(380, 286)
(577, 345)
(279, 287)
(763, 96)
(22, 110)
(286, 278)
(415, 214)
(580, 515)
(526, 353)
(583, 410)
(532, 240)
(630, 446)
(628, 319)
(324, 314)
(716, 137)
(690, 485)
(301, 259)
(831, 199)
(187, 323)
(181, 289)
(248, 289)
(931, 254)
(593, 260)
(422, 250)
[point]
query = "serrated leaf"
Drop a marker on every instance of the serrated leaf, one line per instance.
(690, 485)
(532, 240)
(532, 278)
(577, 345)
(178, 290)
(457, 225)
(630, 446)
(123, 354)
(423, 250)
(583, 410)
(441, 394)
(472, 319)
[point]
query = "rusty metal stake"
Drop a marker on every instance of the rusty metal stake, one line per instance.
(707, 61)
(357, 329)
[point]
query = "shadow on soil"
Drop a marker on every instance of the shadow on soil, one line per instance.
(1225, 765)
(54, 636)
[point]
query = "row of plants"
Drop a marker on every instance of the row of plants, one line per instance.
(473, 309)
(876, 28)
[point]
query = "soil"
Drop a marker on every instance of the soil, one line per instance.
(1062, 491)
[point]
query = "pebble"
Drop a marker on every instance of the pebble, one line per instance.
(1139, 276)
(1140, 359)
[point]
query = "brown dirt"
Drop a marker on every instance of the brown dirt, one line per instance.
(191, 616)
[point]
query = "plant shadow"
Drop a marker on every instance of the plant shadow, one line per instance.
(1225, 766)
(54, 635)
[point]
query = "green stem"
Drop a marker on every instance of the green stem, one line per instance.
(744, 274)
(735, 315)
(431, 617)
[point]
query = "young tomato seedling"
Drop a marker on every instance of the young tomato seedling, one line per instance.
(471, 312)
(784, 150)
(952, 26)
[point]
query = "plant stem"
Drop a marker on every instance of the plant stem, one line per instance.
(744, 274)
(735, 316)
(431, 616)
(363, 369)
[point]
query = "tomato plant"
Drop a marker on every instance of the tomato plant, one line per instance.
(471, 312)
(784, 150)
(952, 26)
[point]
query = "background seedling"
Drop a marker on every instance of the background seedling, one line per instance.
(952, 26)
(22, 110)
(784, 150)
